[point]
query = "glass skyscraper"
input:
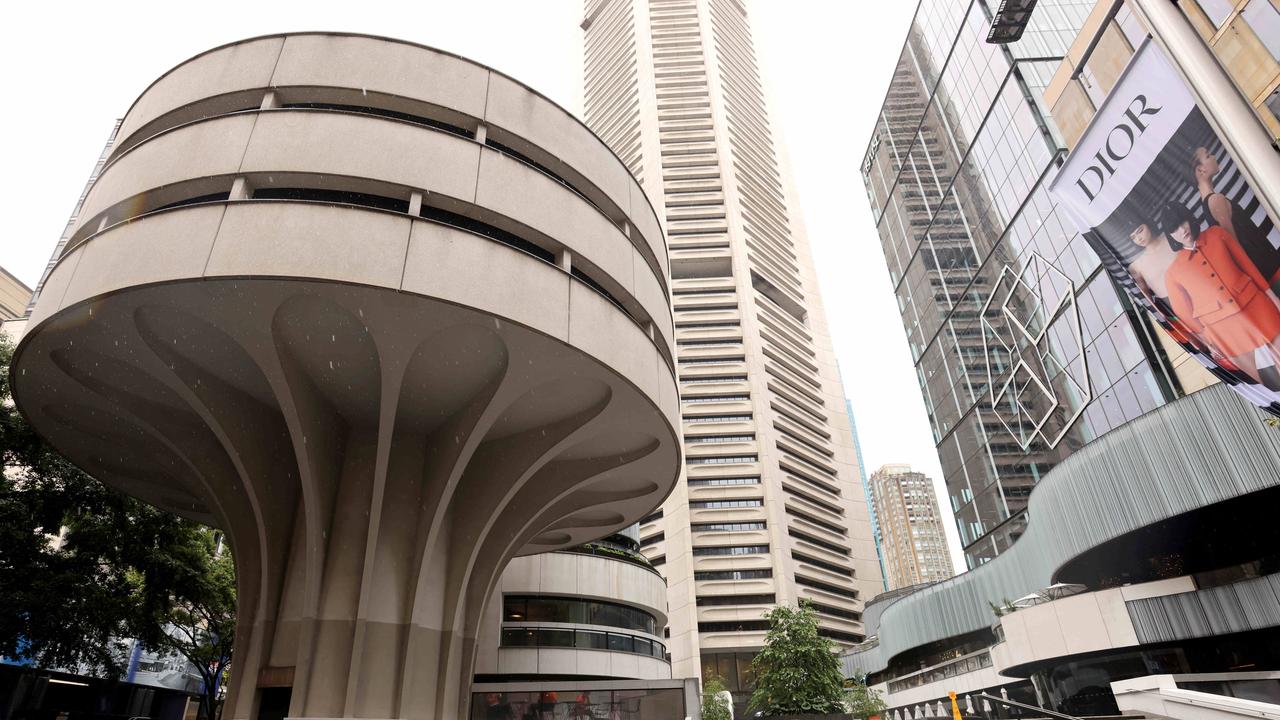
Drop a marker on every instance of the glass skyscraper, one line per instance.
(1024, 349)
(1147, 549)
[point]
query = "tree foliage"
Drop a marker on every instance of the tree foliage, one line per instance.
(201, 619)
(1004, 608)
(83, 566)
(862, 701)
(797, 670)
(714, 705)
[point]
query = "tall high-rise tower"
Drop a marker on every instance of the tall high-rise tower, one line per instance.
(772, 511)
(913, 542)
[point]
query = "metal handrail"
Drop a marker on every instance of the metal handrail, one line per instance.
(965, 705)
(1023, 706)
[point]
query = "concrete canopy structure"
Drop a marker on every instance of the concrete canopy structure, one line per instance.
(387, 317)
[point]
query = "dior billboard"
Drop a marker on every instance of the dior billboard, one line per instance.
(1164, 205)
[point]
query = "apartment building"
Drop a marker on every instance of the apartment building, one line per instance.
(912, 539)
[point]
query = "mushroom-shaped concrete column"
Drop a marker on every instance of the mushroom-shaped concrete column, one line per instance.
(387, 317)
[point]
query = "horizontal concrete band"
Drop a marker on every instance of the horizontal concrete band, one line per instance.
(378, 157)
(569, 574)
(517, 661)
(397, 76)
(337, 243)
(1206, 448)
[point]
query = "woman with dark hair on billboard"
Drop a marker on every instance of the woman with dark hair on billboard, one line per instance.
(1154, 258)
(1221, 211)
(1217, 292)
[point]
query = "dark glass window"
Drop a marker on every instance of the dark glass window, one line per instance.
(734, 626)
(652, 539)
(590, 639)
(727, 527)
(723, 460)
(722, 504)
(583, 639)
(367, 110)
(711, 398)
(643, 646)
(732, 574)
(733, 668)
(732, 550)
(519, 637)
(835, 611)
(820, 523)
(832, 567)
(763, 599)
(826, 587)
(838, 549)
(463, 222)
(333, 196)
(540, 608)
(551, 637)
(712, 482)
(213, 197)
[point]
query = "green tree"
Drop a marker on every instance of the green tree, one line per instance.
(83, 566)
(797, 670)
(862, 701)
(715, 706)
(200, 622)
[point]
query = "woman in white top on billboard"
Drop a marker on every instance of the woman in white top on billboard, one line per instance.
(1151, 264)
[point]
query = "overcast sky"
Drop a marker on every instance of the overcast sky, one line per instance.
(70, 72)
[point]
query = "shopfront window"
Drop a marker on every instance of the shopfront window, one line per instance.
(641, 704)
(734, 670)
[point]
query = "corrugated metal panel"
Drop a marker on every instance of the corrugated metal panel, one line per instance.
(1203, 449)
(1245, 605)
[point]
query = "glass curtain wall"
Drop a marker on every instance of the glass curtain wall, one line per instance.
(1024, 351)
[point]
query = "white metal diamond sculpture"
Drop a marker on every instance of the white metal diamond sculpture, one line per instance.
(1034, 350)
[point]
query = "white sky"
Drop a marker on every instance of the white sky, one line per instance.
(70, 71)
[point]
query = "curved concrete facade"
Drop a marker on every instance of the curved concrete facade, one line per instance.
(1093, 622)
(1206, 448)
(387, 317)
(590, 578)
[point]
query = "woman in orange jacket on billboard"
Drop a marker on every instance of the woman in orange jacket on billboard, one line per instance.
(1218, 292)
(1223, 212)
